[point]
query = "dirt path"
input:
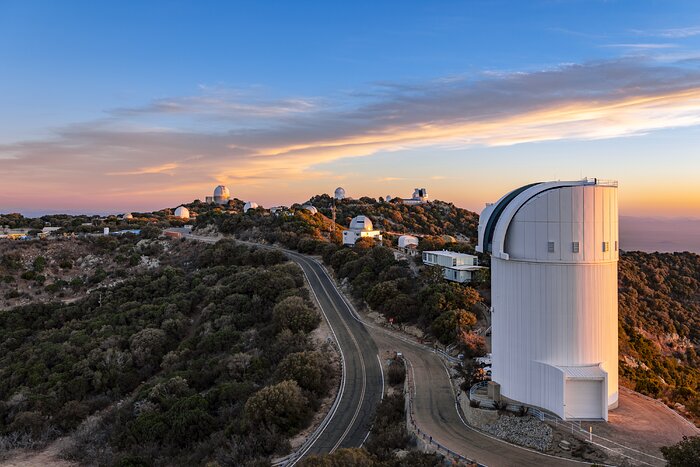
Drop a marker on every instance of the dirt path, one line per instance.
(47, 457)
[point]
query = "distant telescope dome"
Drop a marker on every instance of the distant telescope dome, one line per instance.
(221, 194)
(250, 205)
(340, 193)
(449, 239)
(361, 223)
(128, 215)
(405, 240)
(311, 209)
(182, 212)
(388, 198)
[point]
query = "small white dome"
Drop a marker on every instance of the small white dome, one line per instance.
(405, 240)
(388, 198)
(250, 205)
(221, 194)
(128, 215)
(182, 212)
(311, 209)
(361, 223)
(340, 193)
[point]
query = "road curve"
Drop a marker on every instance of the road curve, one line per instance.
(434, 406)
(349, 422)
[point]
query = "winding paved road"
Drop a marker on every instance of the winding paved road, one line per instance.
(434, 403)
(362, 383)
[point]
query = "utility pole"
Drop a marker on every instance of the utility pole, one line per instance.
(333, 212)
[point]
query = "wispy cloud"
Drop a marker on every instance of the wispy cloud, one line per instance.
(647, 46)
(206, 139)
(671, 33)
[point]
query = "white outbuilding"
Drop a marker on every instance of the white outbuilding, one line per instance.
(456, 267)
(250, 205)
(360, 227)
(182, 212)
(339, 193)
(554, 254)
(408, 244)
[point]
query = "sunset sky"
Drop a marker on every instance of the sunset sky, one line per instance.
(127, 106)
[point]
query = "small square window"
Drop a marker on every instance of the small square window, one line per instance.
(606, 246)
(550, 247)
(575, 247)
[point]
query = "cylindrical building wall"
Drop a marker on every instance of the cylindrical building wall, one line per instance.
(554, 252)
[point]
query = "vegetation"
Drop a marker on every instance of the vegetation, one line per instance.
(660, 327)
(387, 438)
(182, 364)
(684, 453)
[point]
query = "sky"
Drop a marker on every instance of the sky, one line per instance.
(119, 106)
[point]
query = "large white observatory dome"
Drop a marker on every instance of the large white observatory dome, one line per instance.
(250, 205)
(128, 215)
(182, 212)
(361, 223)
(554, 253)
(310, 208)
(339, 193)
(221, 194)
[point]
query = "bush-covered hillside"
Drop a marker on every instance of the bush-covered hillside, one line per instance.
(434, 218)
(206, 359)
(660, 326)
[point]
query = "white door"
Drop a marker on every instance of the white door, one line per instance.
(583, 399)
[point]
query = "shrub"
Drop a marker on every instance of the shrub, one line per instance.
(281, 406)
(294, 314)
(396, 373)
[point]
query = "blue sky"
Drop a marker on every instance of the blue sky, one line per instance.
(154, 103)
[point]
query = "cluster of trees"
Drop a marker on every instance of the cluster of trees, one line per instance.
(206, 359)
(659, 311)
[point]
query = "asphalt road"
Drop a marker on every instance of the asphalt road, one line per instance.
(362, 384)
(434, 402)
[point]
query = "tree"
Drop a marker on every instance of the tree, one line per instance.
(294, 314)
(451, 324)
(147, 345)
(309, 369)
(281, 406)
(684, 453)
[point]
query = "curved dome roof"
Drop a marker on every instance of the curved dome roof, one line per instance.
(361, 223)
(405, 240)
(311, 209)
(221, 194)
(495, 219)
(182, 212)
(340, 193)
(250, 205)
(128, 215)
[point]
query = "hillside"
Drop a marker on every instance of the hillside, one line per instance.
(208, 358)
(659, 293)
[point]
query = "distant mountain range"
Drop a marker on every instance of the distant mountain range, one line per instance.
(659, 234)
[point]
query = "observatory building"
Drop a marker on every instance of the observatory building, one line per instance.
(420, 196)
(221, 195)
(310, 208)
(250, 205)
(360, 227)
(182, 212)
(339, 193)
(554, 253)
